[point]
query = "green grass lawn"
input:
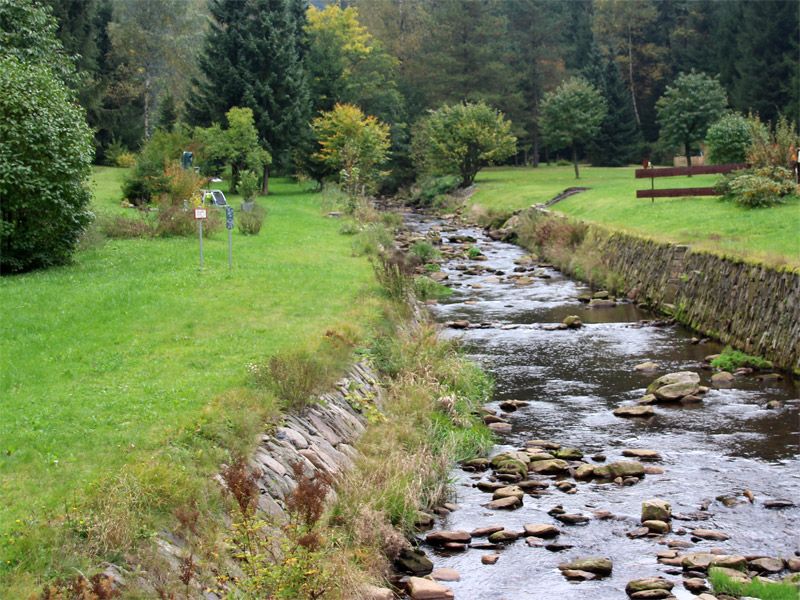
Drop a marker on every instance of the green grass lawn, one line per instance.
(771, 235)
(107, 360)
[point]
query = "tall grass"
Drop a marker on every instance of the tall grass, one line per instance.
(757, 588)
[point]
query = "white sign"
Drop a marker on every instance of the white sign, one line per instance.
(199, 213)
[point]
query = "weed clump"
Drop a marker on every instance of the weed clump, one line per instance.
(730, 360)
(251, 221)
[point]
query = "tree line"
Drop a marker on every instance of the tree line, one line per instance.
(148, 63)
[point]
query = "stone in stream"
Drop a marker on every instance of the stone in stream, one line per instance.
(599, 303)
(504, 536)
(647, 399)
(426, 589)
(475, 464)
(778, 504)
(584, 472)
(656, 509)
(674, 386)
(641, 411)
(550, 467)
(445, 574)
(542, 444)
(656, 526)
(500, 427)
(578, 575)
(512, 405)
(568, 454)
(793, 564)
(623, 468)
(413, 561)
(651, 470)
(558, 547)
(461, 324)
(572, 519)
(695, 585)
(541, 530)
(572, 322)
(766, 565)
(639, 532)
(454, 547)
(489, 486)
(510, 503)
(438, 538)
(533, 484)
(647, 367)
(371, 592)
(593, 564)
(641, 453)
(509, 490)
(486, 531)
(601, 295)
(489, 419)
(423, 520)
(534, 455)
(648, 584)
(490, 559)
(710, 534)
(722, 379)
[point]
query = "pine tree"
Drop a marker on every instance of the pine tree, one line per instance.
(253, 58)
(619, 140)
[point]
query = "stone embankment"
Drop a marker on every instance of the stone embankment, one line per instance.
(753, 307)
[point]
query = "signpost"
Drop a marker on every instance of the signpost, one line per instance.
(200, 215)
(229, 227)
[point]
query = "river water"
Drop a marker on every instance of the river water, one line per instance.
(573, 379)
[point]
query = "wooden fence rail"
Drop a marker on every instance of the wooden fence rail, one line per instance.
(677, 171)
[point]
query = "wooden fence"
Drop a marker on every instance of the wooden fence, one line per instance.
(652, 174)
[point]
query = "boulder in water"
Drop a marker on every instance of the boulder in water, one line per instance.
(641, 411)
(674, 386)
(656, 509)
(592, 564)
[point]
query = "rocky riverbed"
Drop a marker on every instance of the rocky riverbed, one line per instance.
(624, 469)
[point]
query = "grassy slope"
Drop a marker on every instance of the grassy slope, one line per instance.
(104, 361)
(771, 235)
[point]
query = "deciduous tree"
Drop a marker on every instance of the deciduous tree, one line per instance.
(572, 115)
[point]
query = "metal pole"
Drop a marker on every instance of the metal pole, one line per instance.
(200, 225)
(230, 249)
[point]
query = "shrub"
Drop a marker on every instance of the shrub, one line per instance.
(373, 239)
(424, 251)
(45, 161)
(771, 147)
(474, 252)
(125, 160)
(176, 221)
(430, 188)
(393, 274)
(122, 227)
(248, 185)
(730, 360)
(753, 188)
(728, 140)
(149, 180)
(250, 221)
(426, 288)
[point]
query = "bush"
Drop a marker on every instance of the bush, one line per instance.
(424, 251)
(771, 147)
(248, 185)
(45, 160)
(728, 140)
(122, 227)
(730, 360)
(176, 221)
(373, 239)
(393, 274)
(250, 221)
(753, 188)
(149, 181)
(430, 188)
(126, 160)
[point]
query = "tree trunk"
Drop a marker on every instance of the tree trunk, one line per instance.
(630, 78)
(147, 107)
(688, 156)
(535, 148)
(234, 177)
(575, 160)
(265, 181)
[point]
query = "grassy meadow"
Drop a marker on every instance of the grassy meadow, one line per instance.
(132, 359)
(771, 235)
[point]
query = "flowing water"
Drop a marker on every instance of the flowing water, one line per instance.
(573, 379)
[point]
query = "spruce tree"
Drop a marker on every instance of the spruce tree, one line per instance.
(619, 140)
(253, 58)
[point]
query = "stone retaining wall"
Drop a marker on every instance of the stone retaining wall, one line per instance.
(319, 438)
(754, 308)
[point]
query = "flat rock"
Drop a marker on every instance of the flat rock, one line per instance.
(656, 526)
(426, 589)
(647, 399)
(684, 382)
(710, 534)
(640, 411)
(486, 531)
(508, 491)
(568, 453)
(766, 565)
(641, 453)
(646, 367)
(648, 583)
(651, 595)
(541, 530)
(695, 585)
(510, 503)
(533, 484)
(572, 519)
(546, 444)
(578, 575)
(490, 559)
(437, 538)
(621, 468)
(722, 379)
(504, 536)
(445, 574)
(656, 509)
(593, 564)
(414, 562)
(773, 504)
(584, 472)
(500, 427)
(549, 467)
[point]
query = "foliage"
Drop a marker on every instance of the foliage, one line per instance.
(269, 77)
(688, 108)
(237, 145)
(429, 188)
(122, 227)
(730, 360)
(393, 274)
(461, 139)
(753, 188)
(426, 288)
(250, 221)
(248, 185)
(45, 159)
(728, 140)
(424, 251)
(571, 115)
(772, 147)
(148, 179)
(757, 588)
(353, 144)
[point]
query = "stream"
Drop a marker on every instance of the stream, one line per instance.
(571, 381)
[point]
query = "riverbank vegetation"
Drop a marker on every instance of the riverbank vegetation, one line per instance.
(757, 588)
